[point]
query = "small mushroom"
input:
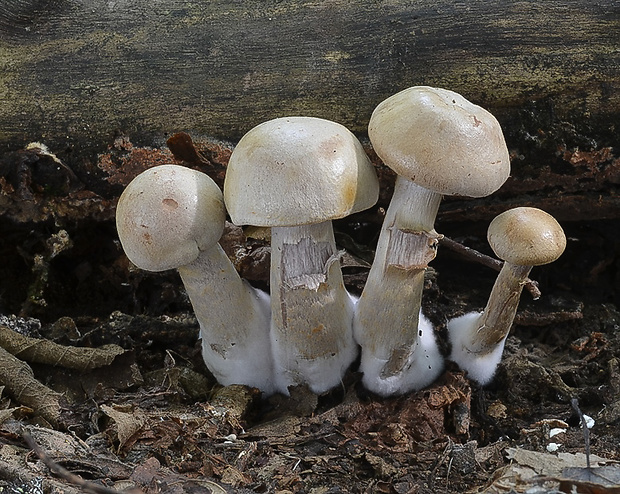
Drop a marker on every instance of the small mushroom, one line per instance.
(172, 217)
(295, 175)
(438, 143)
(522, 237)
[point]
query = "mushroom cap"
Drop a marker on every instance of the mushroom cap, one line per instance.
(440, 141)
(298, 170)
(526, 237)
(167, 215)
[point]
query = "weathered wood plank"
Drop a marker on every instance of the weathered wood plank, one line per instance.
(77, 71)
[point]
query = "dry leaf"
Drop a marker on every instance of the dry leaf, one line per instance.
(127, 423)
(548, 464)
(43, 351)
(597, 480)
(531, 468)
(20, 383)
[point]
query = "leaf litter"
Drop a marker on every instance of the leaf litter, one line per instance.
(152, 418)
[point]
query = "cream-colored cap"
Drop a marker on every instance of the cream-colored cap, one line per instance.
(298, 170)
(526, 237)
(167, 215)
(440, 141)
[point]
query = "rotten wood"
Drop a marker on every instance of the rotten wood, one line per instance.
(87, 78)
(77, 72)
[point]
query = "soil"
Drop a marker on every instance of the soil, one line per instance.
(155, 420)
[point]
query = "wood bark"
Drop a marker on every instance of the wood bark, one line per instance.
(76, 73)
(87, 68)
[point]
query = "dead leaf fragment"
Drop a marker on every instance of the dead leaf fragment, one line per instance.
(597, 480)
(381, 468)
(497, 410)
(234, 477)
(550, 464)
(530, 468)
(127, 423)
(145, 473)
(43, 351)
(20, 383)
(277, 429)
(183, 149)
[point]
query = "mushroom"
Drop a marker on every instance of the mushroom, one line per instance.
(438, 143)
(522, 237)
(171, 217)
(295, 175)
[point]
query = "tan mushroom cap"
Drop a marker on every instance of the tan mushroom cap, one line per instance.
(440, 141)
(298, 170)
(526, 237)
(167, 215)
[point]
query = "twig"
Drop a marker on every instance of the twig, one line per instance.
(85, 486)
(42, 351)
(584, 425)
(17, 473)
(488, 261)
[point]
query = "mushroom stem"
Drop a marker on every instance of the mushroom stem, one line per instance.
(523, 237)
(501, 308)
(473, 255)
(312, 312)
(478, 338)
(233, 318)
(172, 217)
(397, 353)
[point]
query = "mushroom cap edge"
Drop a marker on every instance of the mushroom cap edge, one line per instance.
(526, 236)
(441, 141)
(298, 170)
(167, 215)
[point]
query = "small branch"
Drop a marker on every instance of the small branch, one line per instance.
(488, 261)
(85, 486)
(584, 426)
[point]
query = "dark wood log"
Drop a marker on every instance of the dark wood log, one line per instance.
(75, 74)
(84, 69)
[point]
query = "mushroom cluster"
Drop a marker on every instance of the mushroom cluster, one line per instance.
(295, 175)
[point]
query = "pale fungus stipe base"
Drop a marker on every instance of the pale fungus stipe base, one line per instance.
(234, 320)
(312, 306)
(172, 217)
(395, 357)
(295, 175)
(523, 238)
(439, 144)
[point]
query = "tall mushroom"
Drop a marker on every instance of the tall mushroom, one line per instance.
(439, 144)
(295, 175)
(522, 237)
(172, 217)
